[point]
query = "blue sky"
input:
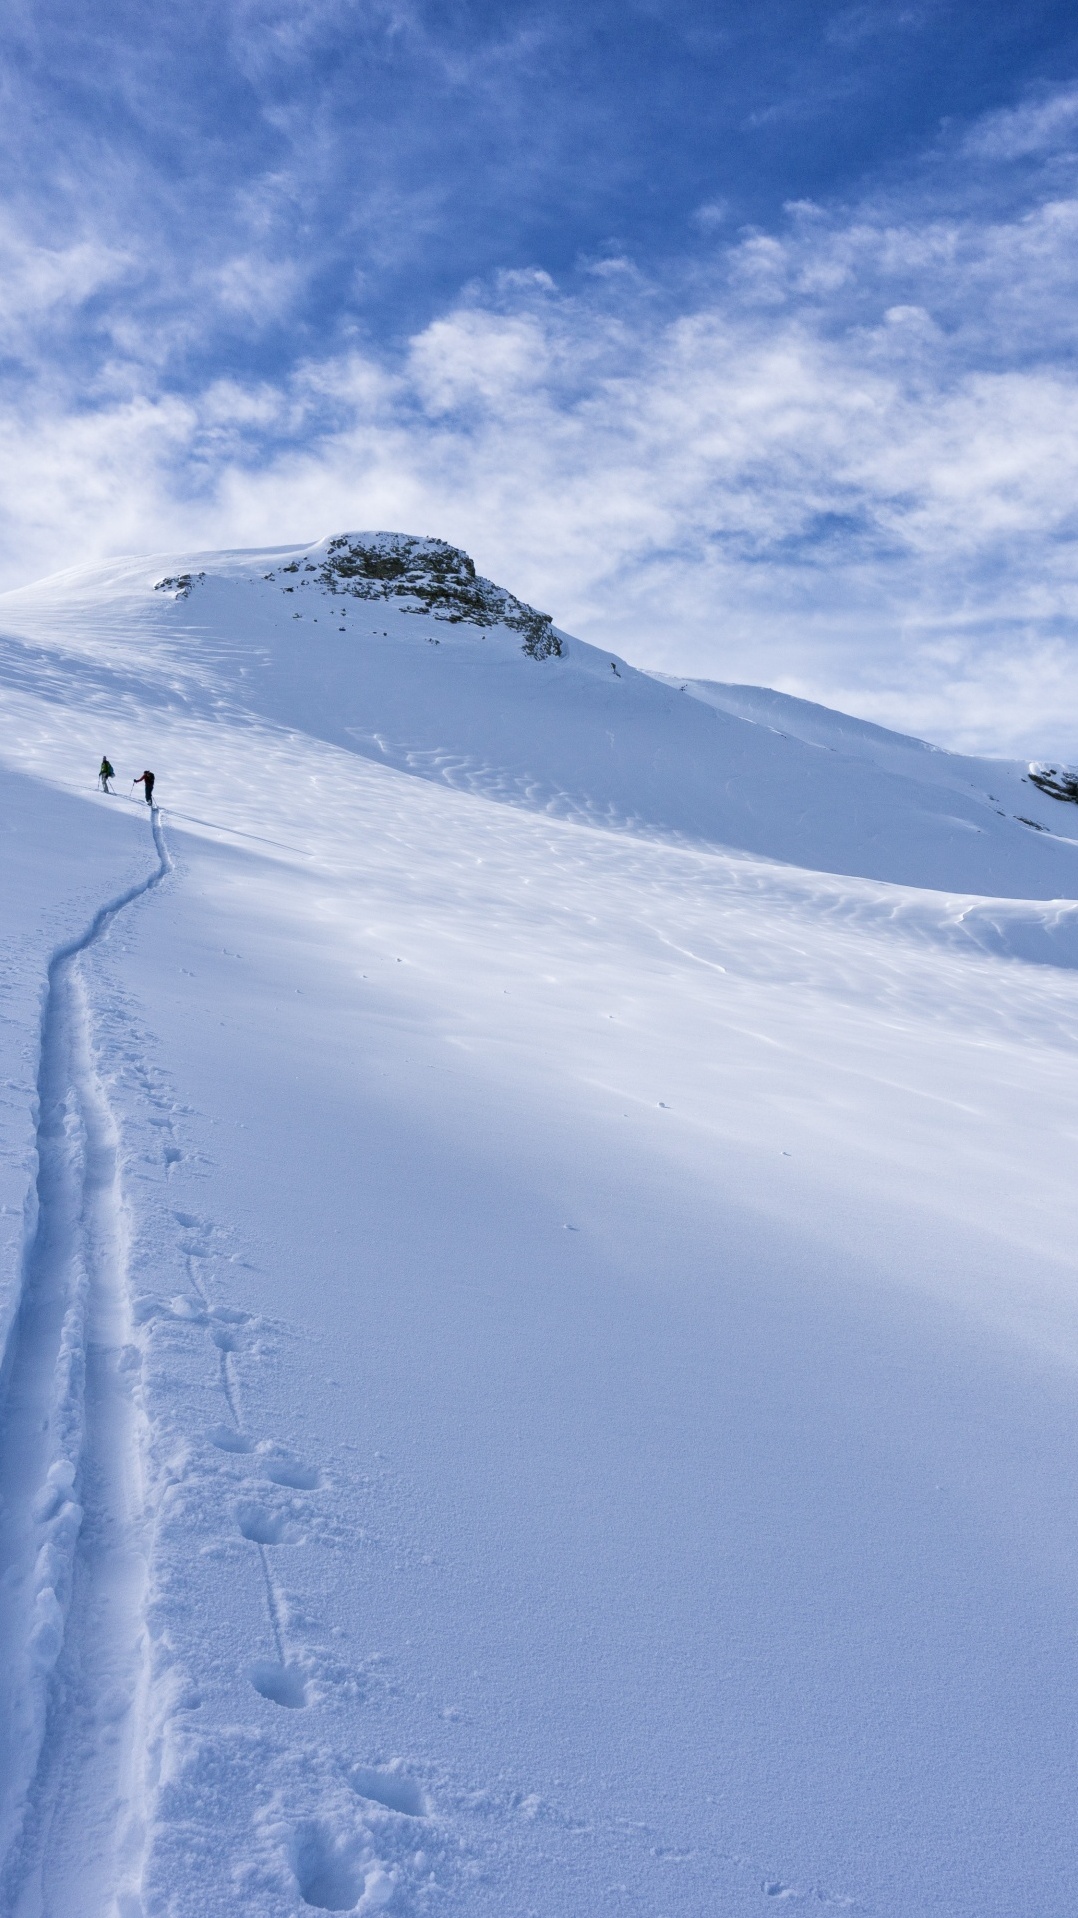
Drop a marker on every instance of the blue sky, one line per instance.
(742, 339)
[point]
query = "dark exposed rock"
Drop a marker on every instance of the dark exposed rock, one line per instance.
(1058, 781)
(438, 579)
(179, 584)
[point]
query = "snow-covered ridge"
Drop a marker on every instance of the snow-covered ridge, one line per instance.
(395, 648)
(426, 575)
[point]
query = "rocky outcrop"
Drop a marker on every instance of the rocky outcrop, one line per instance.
(435, 578)
(1060, 782)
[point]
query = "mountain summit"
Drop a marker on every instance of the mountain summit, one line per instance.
(426, 576)
(393, 647)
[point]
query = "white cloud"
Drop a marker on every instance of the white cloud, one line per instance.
(1036, 127)
(478, 359)
(847, 466)
(40, 284)
(257, 288)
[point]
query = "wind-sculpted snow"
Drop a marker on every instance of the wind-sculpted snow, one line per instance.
(579, 1415)
(449, 695)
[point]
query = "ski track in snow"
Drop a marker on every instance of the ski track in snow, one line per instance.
(91, 1490)
(82, 1731)
(72, 1563)
(200, 1711)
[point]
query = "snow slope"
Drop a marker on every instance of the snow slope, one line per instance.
(553, 1271)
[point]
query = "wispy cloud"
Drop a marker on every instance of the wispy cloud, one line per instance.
(837, 453)
(1039, 126)
(43, 288)
(752, 489)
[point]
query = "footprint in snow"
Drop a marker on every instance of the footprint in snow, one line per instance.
(281, 1684)
(293, 1473)
(393, 1789)
(264, 1527)
(280, 1468)
(227, 1439)
(798, 1894)
(334, 1870)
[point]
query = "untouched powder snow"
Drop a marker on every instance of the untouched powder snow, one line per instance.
(538, 1282)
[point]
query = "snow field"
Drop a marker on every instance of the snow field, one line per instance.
(596, 1308)
(569, 1415)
